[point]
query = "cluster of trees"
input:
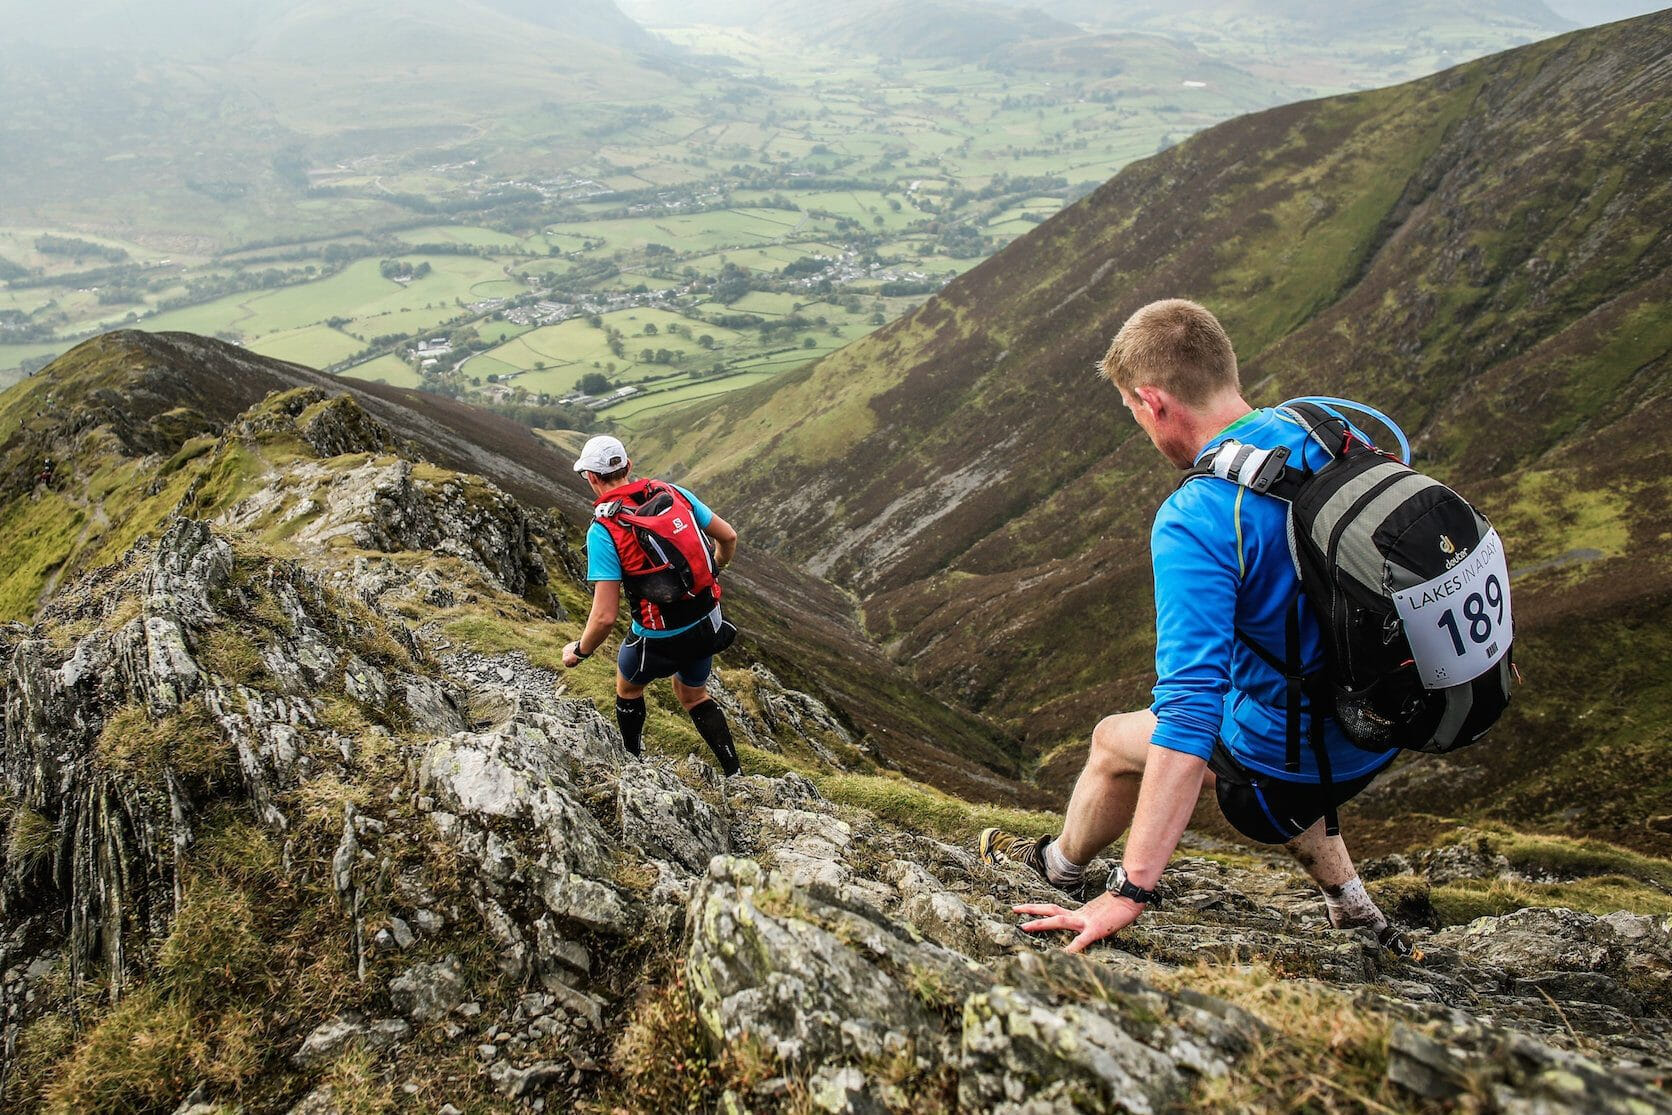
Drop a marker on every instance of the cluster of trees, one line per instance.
(806, 265)
(901, 288)
(403, 270)
(203, 288)
(78, 250)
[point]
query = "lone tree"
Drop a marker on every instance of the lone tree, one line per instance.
(595, 383)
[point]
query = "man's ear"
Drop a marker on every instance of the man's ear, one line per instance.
(1157, 400)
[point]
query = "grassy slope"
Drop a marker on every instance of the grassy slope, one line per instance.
(1479, 253)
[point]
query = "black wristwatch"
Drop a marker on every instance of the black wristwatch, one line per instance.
(583, 654)
(1126, 888)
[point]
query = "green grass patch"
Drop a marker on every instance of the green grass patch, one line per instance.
(37, 534)
(922, 809)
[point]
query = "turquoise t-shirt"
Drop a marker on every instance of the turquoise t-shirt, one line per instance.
(604, 564)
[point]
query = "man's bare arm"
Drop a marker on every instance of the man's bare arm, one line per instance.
(725, 540)
(606, 602)
(1172, 782)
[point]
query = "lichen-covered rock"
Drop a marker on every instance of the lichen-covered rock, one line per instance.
(792, 984)
(426, 992)
(666, 820)
(1454, 1057)
(1531, 941)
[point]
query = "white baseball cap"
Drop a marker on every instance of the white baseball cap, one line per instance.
(602, 454)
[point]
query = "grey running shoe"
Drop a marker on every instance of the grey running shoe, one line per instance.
(1029, 850)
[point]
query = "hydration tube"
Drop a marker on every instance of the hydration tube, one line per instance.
(1330, 400)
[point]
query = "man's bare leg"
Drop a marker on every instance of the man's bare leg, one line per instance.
(1326, 859)
(1107, 791)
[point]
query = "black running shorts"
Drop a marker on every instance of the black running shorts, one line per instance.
(688, 655)
(1271, 810)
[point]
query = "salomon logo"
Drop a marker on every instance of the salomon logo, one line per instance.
(678, 525)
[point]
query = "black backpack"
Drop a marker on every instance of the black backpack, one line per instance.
(1409, 586)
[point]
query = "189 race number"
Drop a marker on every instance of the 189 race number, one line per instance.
(1459, 624)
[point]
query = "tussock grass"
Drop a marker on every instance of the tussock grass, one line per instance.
(143, 1056)
(232, 656)
(1463, 900)
(29, 839)
(663, 1058)
(1325, 1054)
(187, 742)
(924, 810)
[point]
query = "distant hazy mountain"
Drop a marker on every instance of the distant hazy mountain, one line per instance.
(199, 28)
(1310, 18)
(1588, 12)
(915, 28)
(194, 95)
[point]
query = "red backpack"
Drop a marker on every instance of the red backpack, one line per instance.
(667, 562)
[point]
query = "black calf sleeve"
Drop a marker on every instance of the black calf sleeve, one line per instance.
(711, 724)
(630, 715)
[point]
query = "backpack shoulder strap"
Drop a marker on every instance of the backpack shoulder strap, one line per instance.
(1328, 430)
(1260, 470)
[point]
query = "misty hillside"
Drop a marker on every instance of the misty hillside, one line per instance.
(1481, 254)
(205, 30)
(967, 29)
(210, 99)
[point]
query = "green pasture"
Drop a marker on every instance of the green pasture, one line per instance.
(691, 233)
(389, 369)
(314, 345)
(375, 306)
(638, 412)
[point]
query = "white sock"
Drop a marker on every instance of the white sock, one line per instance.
(1059, 868)
(1350, 905)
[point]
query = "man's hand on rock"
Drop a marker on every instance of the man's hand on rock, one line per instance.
(1103, 916)
(572, 656)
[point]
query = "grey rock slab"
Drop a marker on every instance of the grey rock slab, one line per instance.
(426, 992)
(666, 820)
(518, 1082)
(791, 984)
(842, 1091)
(1531, 942)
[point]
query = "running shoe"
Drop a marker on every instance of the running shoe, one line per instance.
(1029, 850)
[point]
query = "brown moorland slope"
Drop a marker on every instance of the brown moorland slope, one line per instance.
(1483, 254)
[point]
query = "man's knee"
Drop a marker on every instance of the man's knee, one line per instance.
(1119, 744)
(690, 696)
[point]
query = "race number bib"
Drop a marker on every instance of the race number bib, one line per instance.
(1459, 623)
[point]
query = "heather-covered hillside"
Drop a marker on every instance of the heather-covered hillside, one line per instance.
(1483, 254)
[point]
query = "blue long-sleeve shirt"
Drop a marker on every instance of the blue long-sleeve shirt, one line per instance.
(1222, 565)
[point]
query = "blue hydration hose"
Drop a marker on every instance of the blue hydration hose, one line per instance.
(1330, 400)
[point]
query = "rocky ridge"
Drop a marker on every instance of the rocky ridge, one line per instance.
(293, 825)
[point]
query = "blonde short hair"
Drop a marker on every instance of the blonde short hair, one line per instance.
(1175, 345)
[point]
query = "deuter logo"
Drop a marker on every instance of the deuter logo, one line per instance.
(1453, 554)
(1446, 546)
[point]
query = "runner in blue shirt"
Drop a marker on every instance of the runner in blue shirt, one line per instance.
(674, 634)
(1219, 716)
